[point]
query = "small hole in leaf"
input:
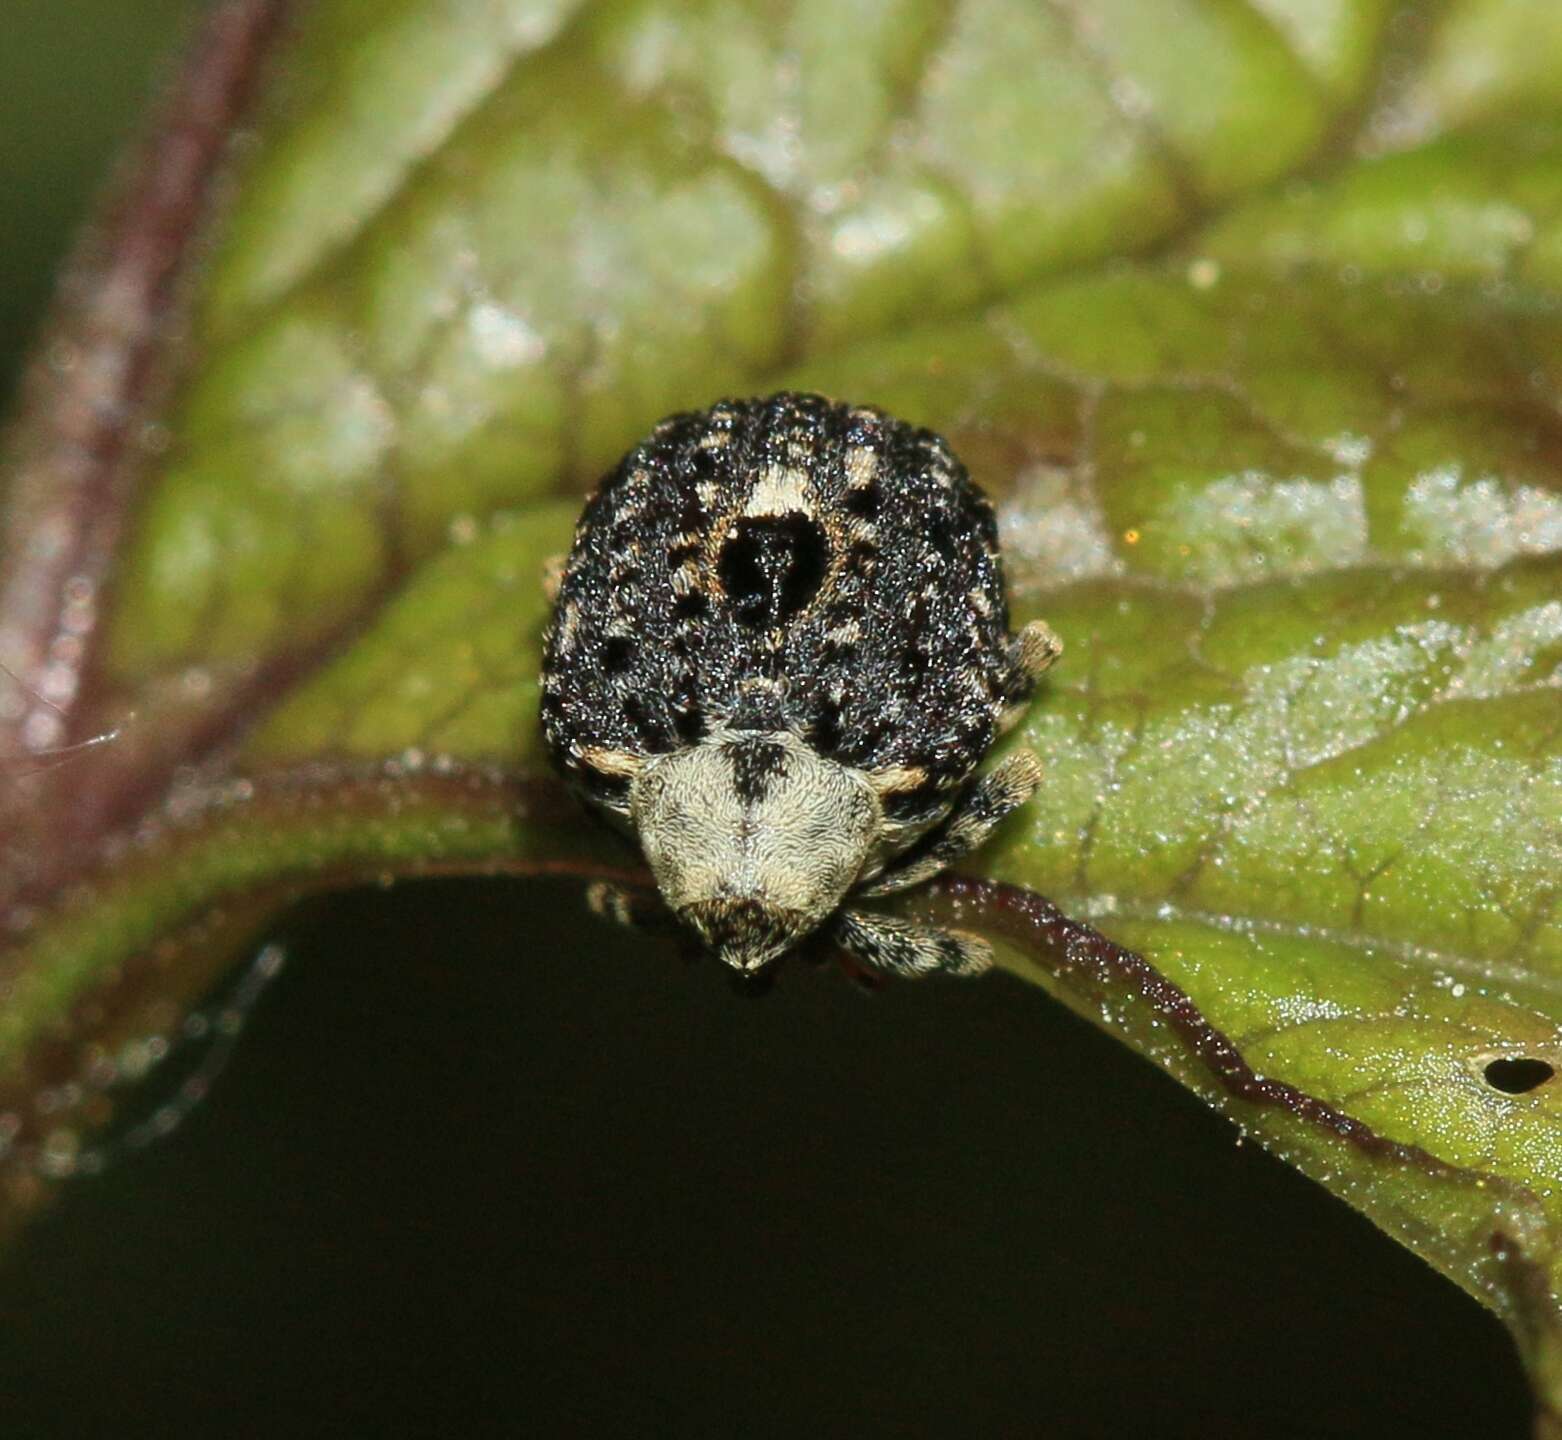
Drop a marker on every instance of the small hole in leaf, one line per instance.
(1517, 1075)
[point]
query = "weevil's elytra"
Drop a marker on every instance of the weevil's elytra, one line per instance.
(779, 650)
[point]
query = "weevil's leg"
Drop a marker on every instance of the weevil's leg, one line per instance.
(1032, 653)
(553, 575)
(902, 947)
(977, 811)
(633, 909)
(1035, 650)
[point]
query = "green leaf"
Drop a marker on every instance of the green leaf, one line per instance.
(1247, 314)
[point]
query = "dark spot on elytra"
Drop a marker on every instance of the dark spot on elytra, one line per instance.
(975, 731)
(688, 607)
(635, 713)
(942, 541)
(825, 733)
(860, 557)
(772, 566)
(864, 500)
(617, 653)
(918, 623)
(691, 511)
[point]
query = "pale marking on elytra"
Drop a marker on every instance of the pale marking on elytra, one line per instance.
(780, 490)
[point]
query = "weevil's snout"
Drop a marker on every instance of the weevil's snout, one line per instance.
(747, 934)
(754, 839)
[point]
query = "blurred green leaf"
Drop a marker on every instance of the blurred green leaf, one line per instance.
(1247, 314)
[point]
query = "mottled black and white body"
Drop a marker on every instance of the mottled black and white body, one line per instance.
(779, 650)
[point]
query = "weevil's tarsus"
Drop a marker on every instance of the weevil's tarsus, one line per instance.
(622, 905)
(1034, 651)
(909, 949)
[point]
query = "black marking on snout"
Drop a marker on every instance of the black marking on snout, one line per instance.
(755, 765)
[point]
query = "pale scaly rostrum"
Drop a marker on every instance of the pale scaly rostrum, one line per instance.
(779, 651)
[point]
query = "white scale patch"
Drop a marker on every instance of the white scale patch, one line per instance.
(861, 468)
(781, 490)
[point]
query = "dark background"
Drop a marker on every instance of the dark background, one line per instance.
(482, 1166)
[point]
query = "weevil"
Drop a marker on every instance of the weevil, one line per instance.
(778, 654)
